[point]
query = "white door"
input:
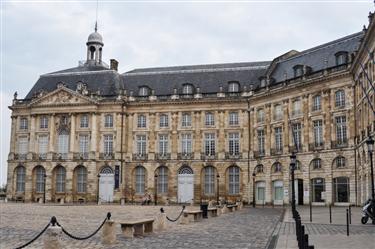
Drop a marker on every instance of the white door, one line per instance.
(106, 186)
(185, 188)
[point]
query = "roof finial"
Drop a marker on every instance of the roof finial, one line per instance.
(96, 26)
(96, 16)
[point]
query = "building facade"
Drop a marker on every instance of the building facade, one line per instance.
(204, 132)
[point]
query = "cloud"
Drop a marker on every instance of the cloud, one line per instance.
(5, 101)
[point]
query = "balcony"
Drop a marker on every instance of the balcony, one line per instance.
(163, 156)
(208, 156)
(258, 154)
(20, 157)
(339, 144)
(275, 152)
(295, 148)
(42, 156)
(142, 157)
(316, 146)
(185, 156)
(106, 156)
(59, 156)
(232, 155)
(81, 156)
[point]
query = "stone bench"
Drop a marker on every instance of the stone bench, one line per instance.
(136, 228)
(193, 215)
(232, 207)
(212, 212)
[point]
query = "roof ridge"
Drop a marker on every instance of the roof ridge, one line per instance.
(77, 73)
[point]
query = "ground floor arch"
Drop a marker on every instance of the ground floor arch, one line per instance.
(185, 184)
(106, 184)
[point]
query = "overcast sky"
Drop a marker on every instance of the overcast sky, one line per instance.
(40, 37)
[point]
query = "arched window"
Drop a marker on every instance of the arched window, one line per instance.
(233, 87)
(143, 91)
(209, 180)
(340, 98)
(92, 52)
(277, 167)
(234, 180)
(318, 187)
(163, 180)
(81, 174)
(316, 163)
(140, 180)
(185, 170)
(259, 169)
(20, 179)
(39, 179)
(187, 89)
(341, 189)
(339, 162)
(60, 179)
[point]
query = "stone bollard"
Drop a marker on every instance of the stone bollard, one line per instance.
(122, 201)
(211, 204)
(62, 201)
(6, 200)
(224, 210)
(184, 219)
(218, 211)
(52, 238)
(40, 201)
(109, 233)
(160, 221)
(192, 202)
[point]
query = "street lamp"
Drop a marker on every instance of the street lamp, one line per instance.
(292, 168)
(254, 189)
(370, 148)
(97, 192)
(44, 192)
(156, 188)
(217, 186)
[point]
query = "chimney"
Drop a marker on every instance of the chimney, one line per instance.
(114, 64)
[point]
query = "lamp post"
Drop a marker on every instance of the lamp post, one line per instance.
(217, 188)
(292, 168)
(44, 192)
(156, 188)
(254, 189)
(370, 148)
(97, 192)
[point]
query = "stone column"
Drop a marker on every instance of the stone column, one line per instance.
(32, 134)
(72, 138)
(12, 147)
(327, 119)
(129, 134)
(286, 129)
(267, 141)
(94, 135)
(52, 134)
(152, 136)
(28, 184)
(306, 125)
(197, 135)
(221, 136)
(174, 138)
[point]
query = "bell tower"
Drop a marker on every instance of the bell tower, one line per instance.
(94, 47)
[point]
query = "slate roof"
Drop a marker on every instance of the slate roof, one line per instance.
(97, 78)
(315, 57)
(208, 78)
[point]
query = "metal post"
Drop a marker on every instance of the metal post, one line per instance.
(44, 193)
(350, 215)
(97, 192)
(292, 166)
(347, 222)
(217, 191)
(372, 187)
(330, 213)
(254, 190)
(306, 241)
(310, 212)
(156, 189)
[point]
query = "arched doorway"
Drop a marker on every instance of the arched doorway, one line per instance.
(185, 184)
(106, 184)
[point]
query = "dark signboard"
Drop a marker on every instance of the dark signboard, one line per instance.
(117, 177)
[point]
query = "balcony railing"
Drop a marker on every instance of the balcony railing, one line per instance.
(275, 152)
(232, 155)
(59, 156)
(42, 156)
(163, 156)
(142, 157)
(339, 144)
(20, 156)
(106, 156)
(81, 156)
(208, 156)
(316, 146)
(258, 154)
(184, 156)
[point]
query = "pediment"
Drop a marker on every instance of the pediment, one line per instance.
(60, 97)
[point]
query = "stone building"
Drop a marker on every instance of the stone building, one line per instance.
(192, 132)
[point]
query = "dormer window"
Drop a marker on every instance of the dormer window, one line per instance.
(187, 89)
(298, 71)
(341, 58)
(233, 87)
(143, 91)
(263, 82)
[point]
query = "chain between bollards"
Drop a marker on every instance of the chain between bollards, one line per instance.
(178, 217)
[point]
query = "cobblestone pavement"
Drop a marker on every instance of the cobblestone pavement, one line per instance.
(248, 228)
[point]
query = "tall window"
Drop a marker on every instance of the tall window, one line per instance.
(23, 147)
(143, 91)
(297, 131)
(186, 144)
(234, 180)
(140, 180)
(341, 130)
(81, 179)
(164, 122)
(340, 162)
(317, 163)
(317, 103)
(163, 144)
(186, 120)
(141, 121)
(209, 180)
(261, 137)
(277, 167)
(233, 118)
(84, 145)
(318, 133)
(20, 180)
(187, 89)
(63, 144)
(210, 119)
(141, 145)
(296, 108)
(43, 122)
(162, 180)
(234, 143)
(209, 144)
(340, 98)
(341, 189)
(260, 116)
(317, 188)
(278, 115)
(108, 121)
(39, 179)
(60, 179)
(43, 146)
(278, 190)
(278, 139)
(233, 87)
(108, 144)
(85, 121)
(24, 123)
